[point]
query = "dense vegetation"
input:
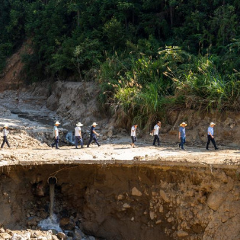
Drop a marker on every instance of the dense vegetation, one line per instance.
(148, 55)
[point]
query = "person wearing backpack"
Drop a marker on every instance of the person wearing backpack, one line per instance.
(56, 135)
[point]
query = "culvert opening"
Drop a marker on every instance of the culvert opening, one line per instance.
(52, 180)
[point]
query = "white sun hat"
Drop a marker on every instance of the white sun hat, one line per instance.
(94, 124)
(57, 123)
(183, 123)
(5, 125)
(79, 124)
(212, 123)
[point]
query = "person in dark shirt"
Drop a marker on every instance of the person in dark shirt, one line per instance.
(93, 135)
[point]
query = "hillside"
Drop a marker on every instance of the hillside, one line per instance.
(149, 57)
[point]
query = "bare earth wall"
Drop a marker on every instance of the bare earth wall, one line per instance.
(126, 202)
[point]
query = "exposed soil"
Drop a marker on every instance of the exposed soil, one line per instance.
(115, 192)
(125, 201)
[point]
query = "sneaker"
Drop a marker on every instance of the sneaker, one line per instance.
(207, 149)
(216, 148)
(99, 145)
(87, 145)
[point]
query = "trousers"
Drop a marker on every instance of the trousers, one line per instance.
(93, 137)
(77, 140)
(212, 140)
(183, 140)
(56, 141)
(5, 140)
(156, 138)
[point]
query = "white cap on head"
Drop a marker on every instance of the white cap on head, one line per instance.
(57, 123)
(212, 123)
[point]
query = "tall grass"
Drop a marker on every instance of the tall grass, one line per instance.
(148, 87)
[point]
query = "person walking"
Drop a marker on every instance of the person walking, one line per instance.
(5, 134)
(134, 134)
(182, 135)
(155, 132)
(211, 136)
(78, 135)
(56, 135)
(93, 135)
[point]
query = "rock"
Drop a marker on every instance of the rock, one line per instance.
(64, 221)
(126, 205)
(120, 197)
(164, 196)
(77, 234)
(152, 215)
(158, 221)
(5, 235)
(54, 237)
(32, 221)
(136, 192)
(62, 236)
(160, 208)
(181, 233)
(216, 199)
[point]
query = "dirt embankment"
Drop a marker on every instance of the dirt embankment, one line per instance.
(126, 202)
(78, 102)
(11, 78)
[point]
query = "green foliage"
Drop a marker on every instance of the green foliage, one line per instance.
(150, 56)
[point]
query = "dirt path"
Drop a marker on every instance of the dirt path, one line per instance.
(119, 154)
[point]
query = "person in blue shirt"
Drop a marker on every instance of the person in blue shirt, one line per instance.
(93, 135)
(211, 136)
(182, 135)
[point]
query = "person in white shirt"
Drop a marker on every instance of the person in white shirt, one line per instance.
(211, 136)
(56, 135)
(134, 134)
(5, 134)
(155, 132)
(78, 135)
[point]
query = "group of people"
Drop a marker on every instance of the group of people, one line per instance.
(93, 135)
(181, 135)
(210, 134)
(78, 135)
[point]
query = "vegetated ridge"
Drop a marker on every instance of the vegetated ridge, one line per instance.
(149, 57)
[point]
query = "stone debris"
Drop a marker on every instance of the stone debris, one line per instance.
(136, 192)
